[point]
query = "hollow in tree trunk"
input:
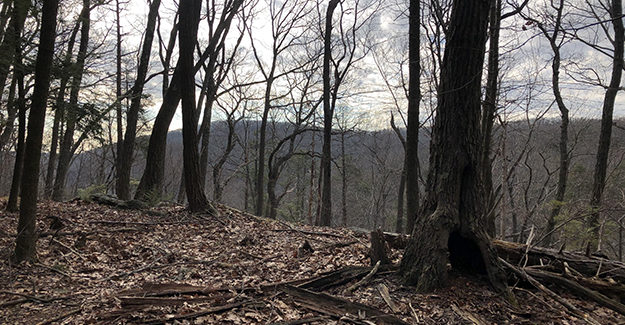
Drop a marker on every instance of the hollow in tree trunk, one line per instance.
(451, 227)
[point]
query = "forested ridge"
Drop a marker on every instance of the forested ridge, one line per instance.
(296, 162)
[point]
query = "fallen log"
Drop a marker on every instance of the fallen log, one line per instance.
(338, 307)
(570, 307)
(577, 288)
(516, 254)
(193, 315)
(590, 267)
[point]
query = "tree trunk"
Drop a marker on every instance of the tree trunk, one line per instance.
(260, 171)
(343, 183)
(412, 129)
(11, 39)
(205, 133)
(325, 218)
(452, 226)
(21, 137)
(59, 112)
(151, 184)
(9, 123)
(127, 149)
(65, 154)
(124, 195)
(603, 149)
(401, 192)
(4, 16)
(490, 107)
(26, 236)
(189, 11)
(564, 127)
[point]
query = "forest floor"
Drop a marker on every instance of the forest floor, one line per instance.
(165, 265)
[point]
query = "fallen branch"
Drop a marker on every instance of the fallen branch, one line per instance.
(383, 290)
(572, 309)
(164, 301)
(338, 307)
(58, 318)
(466, 315)
(54, 269)
(578, 289)
(302, 321)
(365, 279)
(587, 266)
(336, 278)
(197, 314)
(10, 303)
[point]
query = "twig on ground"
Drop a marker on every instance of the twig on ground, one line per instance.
(302, 321)
(54, 269)
(365, 279)
(60, 317)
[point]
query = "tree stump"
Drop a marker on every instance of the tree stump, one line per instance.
(379, 250)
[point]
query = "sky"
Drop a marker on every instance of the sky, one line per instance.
(526, 57)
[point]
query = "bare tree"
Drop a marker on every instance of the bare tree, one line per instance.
(451, 228)
(67, 142)
(152, 180)
(556, 39)
(126, 149)
(603, 150)
(25, 244)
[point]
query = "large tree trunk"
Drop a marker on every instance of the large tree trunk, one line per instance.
(452, 223)
(151, 184)
(127, 148)
(26, 236)
(189, 18)
(325, 217)
(412, 129)
(603, 150)
(66, 152)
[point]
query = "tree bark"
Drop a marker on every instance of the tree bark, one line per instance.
(26, 236)
(132, 116)
(452, 226)
(603, 149)
(412, 129)
(189, 18)
(325, 218)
